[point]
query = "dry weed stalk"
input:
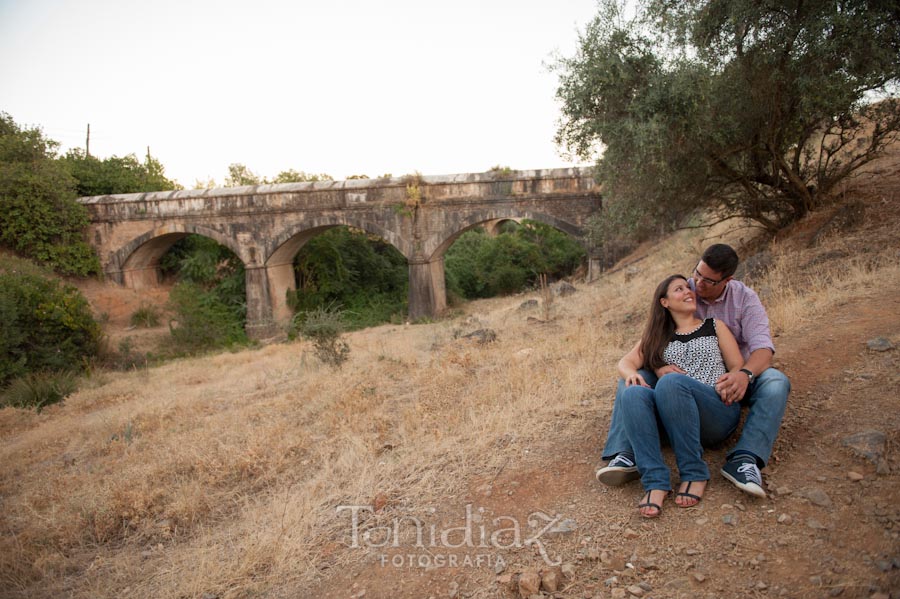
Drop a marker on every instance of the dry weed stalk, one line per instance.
(546, 297)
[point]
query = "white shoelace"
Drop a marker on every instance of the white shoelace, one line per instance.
(622, 461)
(751, 472)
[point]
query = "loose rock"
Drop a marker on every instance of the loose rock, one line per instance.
(818, 497)
(855, 476)
(550, 581)
(815, 524)
(529, 583)
(482, 335)
(880, 344)
(868, 444)
(562, 289)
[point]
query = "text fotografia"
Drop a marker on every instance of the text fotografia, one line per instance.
(500, 533)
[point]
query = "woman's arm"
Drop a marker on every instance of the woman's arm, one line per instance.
(729, 347)
(733, 362)
(629, 365)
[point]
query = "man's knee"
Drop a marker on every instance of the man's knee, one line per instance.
(772, 386)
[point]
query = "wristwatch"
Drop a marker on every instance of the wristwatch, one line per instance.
(749, 374)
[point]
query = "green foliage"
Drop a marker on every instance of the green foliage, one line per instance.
(209, 302)
(365, 274)
(752, 109)
(478, 265)
(114, 175)
(618, 229)
(501, 171)
(203, 320)
(239, 175)
(39, 216)
(44, 324)
(292, 176)
(145, 316)
(39, 389)
(324, 326)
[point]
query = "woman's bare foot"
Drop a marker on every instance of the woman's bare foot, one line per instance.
(690, 493)
(651, 504)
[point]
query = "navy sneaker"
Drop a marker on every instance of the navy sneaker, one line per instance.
(618, 471)
(745, 475)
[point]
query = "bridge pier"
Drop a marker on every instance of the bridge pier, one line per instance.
(260, 322)
(594, 268)
(427, 289)
(281, 281)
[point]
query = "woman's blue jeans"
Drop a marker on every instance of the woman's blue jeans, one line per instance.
(691, 414)
(766, 397)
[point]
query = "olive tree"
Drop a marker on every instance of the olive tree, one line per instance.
(745, 109)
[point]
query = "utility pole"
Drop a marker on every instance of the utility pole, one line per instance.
(87, 142)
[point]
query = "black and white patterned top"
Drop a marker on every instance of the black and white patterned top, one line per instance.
(697, 353)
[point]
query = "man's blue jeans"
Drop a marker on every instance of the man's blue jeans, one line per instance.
(766, 397)
(684, 407)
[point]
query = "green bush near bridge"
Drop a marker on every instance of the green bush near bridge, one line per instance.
(478, 265)
(46, 328)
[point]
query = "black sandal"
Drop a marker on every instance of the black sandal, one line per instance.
(685, 493)
(649, 503)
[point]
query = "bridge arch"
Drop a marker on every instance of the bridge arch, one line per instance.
(288, 242)
(136, 264)
(448, 236)
(280, 253)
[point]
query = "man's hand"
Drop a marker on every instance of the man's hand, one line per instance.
(732, 386)
(668, 369)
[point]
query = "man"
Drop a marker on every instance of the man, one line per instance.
(764, 389)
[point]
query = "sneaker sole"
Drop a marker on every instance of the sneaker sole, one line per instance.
(750, 488)
(613, 477)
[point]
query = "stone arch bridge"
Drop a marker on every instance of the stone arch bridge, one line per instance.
(266, 225)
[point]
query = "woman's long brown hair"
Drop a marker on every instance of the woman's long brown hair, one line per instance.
(660, 327)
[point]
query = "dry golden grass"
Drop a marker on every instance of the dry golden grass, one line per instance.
(222, 474)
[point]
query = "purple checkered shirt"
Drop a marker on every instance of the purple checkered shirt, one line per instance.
(740, 309)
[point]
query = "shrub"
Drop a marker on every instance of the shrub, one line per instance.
(478, 265)
(44, 324)
(39, 389)
(39, 216)
(350, 268)
(203, 320)
(145, 316)
(324, 326)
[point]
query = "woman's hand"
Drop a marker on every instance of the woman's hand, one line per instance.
(635, 379)
(668, 369)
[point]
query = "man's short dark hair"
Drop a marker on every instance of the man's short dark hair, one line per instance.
(721, 258)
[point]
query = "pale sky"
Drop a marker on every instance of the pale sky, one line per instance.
(341, 87)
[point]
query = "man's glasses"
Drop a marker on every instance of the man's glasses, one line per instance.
(698, 277)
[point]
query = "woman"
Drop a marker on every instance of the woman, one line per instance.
(687, 406)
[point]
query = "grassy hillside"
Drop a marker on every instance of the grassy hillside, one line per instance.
(221, 476)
